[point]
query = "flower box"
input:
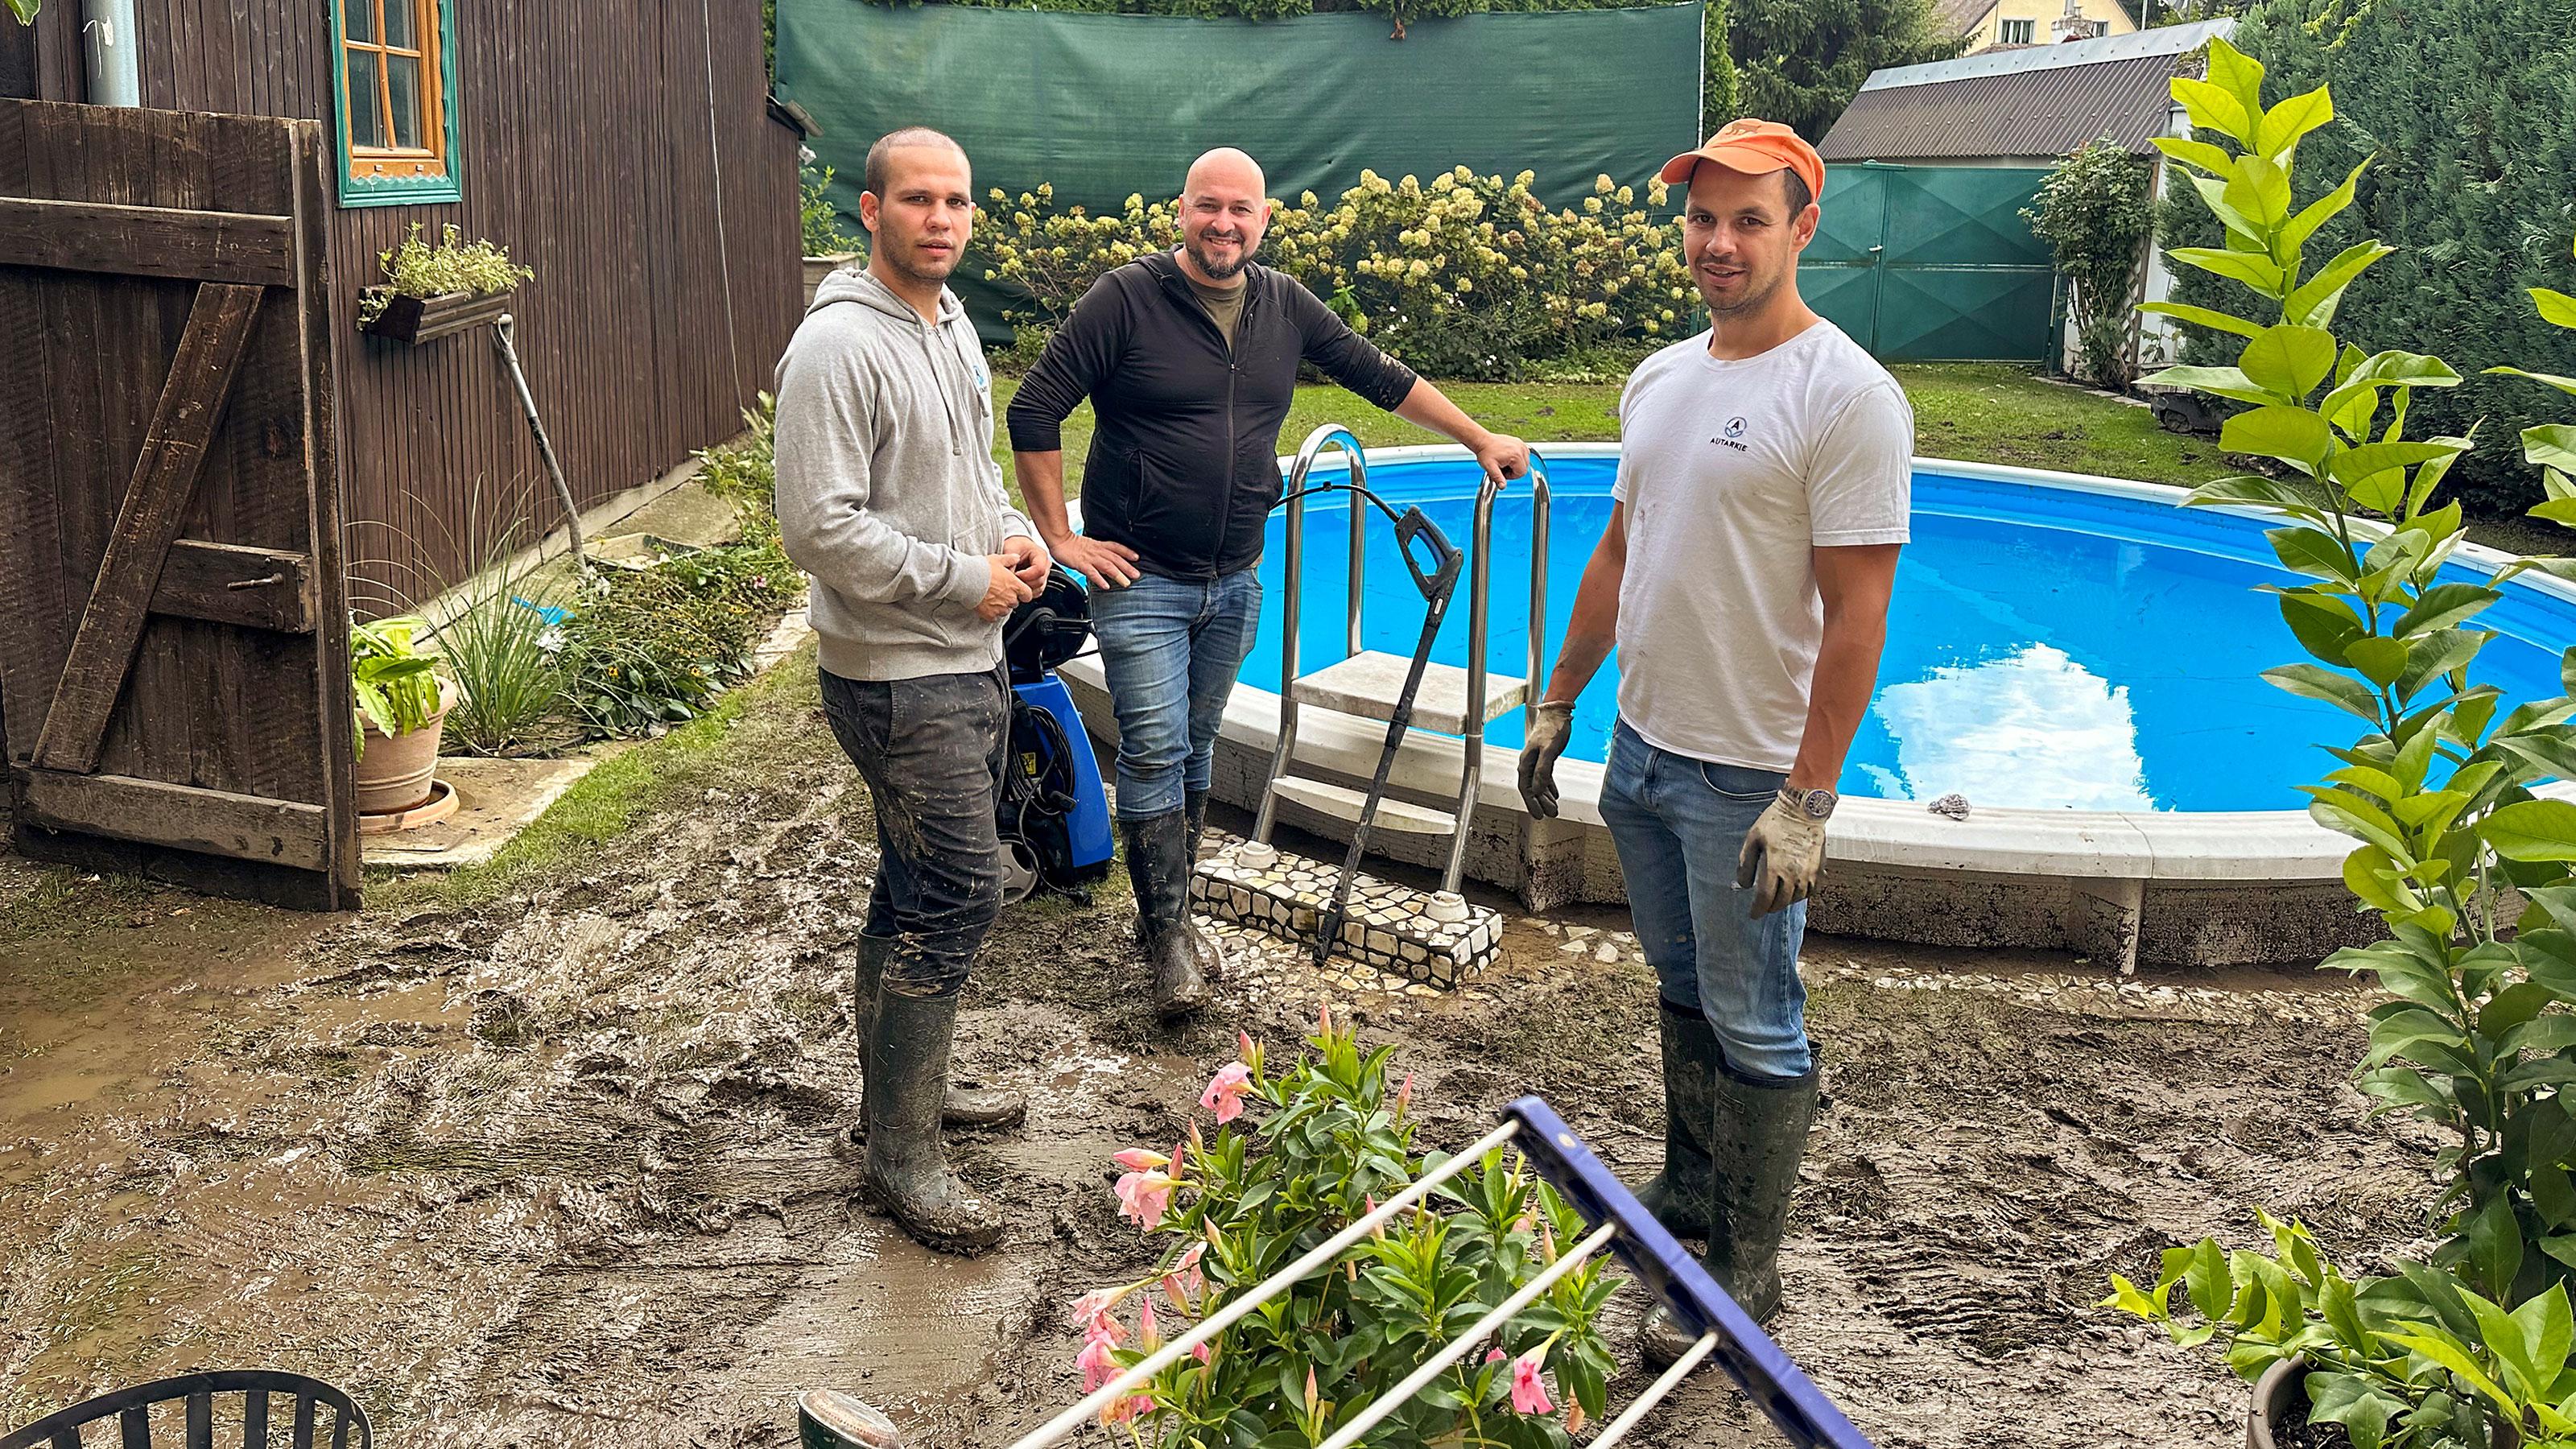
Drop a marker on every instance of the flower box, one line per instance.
(422, 319)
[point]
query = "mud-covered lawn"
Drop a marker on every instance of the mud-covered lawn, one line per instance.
(549, 1154)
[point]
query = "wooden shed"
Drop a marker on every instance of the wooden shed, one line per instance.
(202, 459)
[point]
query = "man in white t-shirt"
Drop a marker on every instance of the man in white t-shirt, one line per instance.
(1764, 478)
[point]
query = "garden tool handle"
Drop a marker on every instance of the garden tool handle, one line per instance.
(1441, 578)
(1769, 1377)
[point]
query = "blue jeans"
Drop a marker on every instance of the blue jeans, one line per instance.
(1679, 825)
(1170, 649)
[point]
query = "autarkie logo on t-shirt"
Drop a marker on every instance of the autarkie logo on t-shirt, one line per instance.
(1734, 430)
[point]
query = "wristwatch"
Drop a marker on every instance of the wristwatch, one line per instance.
(1814, 804)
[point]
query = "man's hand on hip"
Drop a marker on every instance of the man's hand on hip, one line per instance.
(1106, 565)
(1782, 855)
(1550, 721)
(1004, 591)
(1503, 456)
(1030, 560)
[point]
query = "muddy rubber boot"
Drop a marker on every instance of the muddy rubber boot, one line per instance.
(1678, 1195)
(1756, 1137)
(1158, 866)
(969, 1104)
(906, 1170)
(1211, 956)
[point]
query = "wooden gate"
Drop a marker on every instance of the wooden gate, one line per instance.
(174, 636)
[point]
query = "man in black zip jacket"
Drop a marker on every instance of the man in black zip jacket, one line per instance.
(1190, 361)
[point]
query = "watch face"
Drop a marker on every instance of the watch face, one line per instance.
(1818, 803)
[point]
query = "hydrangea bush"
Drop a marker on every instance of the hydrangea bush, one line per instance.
(1297, 1157)
(1464, 276)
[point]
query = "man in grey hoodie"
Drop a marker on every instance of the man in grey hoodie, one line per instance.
(889, 497)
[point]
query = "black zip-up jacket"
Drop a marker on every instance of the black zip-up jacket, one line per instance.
(1184, 454)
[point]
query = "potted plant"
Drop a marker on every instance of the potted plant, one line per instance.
(2467, 869)
(827, 247)
(1294, 1158)
(432, 291)
(402, 711)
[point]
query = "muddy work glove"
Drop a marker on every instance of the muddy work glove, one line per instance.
(1782, 855)
(1549, 723)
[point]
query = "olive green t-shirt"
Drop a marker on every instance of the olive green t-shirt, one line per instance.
(1224, 304)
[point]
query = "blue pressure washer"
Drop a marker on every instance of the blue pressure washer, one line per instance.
(1053, 815)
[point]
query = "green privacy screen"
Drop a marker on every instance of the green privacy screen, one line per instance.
(1932, 263)
(1106, 105)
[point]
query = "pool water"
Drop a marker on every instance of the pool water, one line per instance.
(2046, 647)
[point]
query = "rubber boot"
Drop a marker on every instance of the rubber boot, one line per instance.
(1756, 1137)
(906, 1170)
(969, 1104)
(1678, 1195)
(1158, 866)
(1211, 956)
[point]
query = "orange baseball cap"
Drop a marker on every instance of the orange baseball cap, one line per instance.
(1756, 148)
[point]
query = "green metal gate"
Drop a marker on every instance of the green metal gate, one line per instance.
(1932, 263)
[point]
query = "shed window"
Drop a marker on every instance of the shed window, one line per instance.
(2014, 32)
(396, 61)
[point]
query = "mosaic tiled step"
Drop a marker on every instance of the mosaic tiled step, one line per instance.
(1433, 937)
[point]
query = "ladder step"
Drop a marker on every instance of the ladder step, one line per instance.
(1402, 817)
(1367, 683)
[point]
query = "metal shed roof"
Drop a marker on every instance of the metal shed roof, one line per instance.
(2037, 103)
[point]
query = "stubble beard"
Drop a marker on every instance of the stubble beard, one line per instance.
(1207, 265)
(1747, 305)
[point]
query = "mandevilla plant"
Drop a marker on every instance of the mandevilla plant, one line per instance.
(1234, 1209)
(2477, 1038)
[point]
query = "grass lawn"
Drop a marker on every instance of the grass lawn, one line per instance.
(1977, 412)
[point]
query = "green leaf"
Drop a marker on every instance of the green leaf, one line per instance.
(2239, 74)
(2438, 654)
(2566, 385)
(2314, 552)
(2533, 830)
(2550, 1033)
(2213, 159)
(2250, 490)
(2447, 1352)
(2313, 303)
(2259, 191)
(2286, 122)
(2549, 1328)
(2208, 317)
(2551, 445)
(2226, 382)
(2212, 108)
(2212, 1289)
(2379, 658)
(2370, 459)
(2322, 623)
(2556, 308)
(2333, 687)
(2341, 810)
(2320, 211)
(2290, 361)
(2259, 273)
(2291, 434)
(2444, 605)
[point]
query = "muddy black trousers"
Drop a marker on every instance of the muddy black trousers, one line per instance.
(931, 750)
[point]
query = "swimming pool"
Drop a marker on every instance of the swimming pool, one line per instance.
(2048, 647)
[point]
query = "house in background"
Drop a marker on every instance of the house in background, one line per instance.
(1993, 24)
(2020, 111)
(624, 150)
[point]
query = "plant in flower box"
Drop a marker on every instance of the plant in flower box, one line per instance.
(1296, 1157)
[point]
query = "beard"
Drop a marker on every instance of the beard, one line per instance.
(913, 265)
(1216, 271)
(1753, 299)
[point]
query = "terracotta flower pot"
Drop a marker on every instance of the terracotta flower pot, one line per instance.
(394, 773)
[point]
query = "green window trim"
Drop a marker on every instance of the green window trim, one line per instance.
(371, 190)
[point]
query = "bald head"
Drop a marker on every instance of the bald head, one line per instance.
(1225, 207)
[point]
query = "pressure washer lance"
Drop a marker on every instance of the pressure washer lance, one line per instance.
(1436, 584)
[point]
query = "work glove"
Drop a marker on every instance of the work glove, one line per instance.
(1781, 857)
(1550, 721)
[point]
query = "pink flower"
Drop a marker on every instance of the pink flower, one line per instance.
(1494, 1355)
(1145, 1196)
(1225, 1094)
(1148, 1332)
(1529, 1396)
(1137, 1159)
(1243, 1043)
(1185, 1278)
(1097, 1366)
(1127, 1408)
(1404, 1094)
(1202, 1355)
(1091, 1312)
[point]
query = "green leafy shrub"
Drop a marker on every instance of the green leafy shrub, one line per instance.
(418, 269)
(2476, 1037)
(651, 647)
(505, 658)
(2094, 214)
(1468, 276)
(744, 471)
(396, 690)
(1334, 1139)
(2470, 108)
(818, 219)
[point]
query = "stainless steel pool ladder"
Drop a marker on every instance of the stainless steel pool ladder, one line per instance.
(1365, 682)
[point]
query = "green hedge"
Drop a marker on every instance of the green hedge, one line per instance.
(2469, 107)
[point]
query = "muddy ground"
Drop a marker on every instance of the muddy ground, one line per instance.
(558, 1166)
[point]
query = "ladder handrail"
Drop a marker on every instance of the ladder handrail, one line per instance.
(1479, 596)
(1293, 574)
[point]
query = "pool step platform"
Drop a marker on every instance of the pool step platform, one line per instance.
(1367, 683)
(1401, 817)
(1434, 938)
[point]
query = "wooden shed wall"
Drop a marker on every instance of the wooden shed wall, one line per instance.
(592, 139)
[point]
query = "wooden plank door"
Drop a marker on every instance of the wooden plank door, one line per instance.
(174, 632)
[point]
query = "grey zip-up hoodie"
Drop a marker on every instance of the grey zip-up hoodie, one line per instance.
(888, 494)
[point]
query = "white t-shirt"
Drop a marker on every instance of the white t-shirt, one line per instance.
(1731, 472)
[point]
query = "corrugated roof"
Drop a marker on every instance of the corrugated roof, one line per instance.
(2037, 103)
